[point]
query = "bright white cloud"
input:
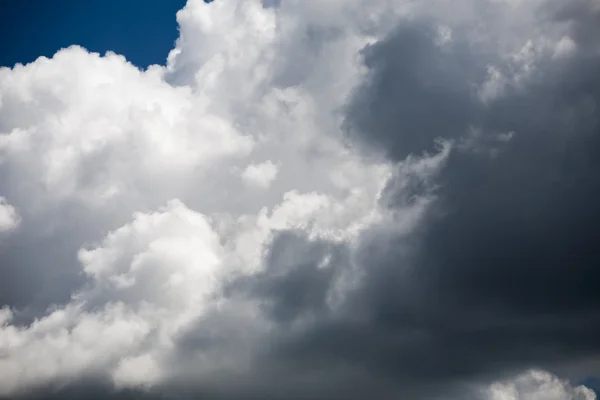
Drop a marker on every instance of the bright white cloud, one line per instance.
(9, 217)
(95, 134)
(538, 385)
(260, 175)
(96, 130)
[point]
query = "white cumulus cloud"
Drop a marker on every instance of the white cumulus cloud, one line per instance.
(538, 385)
(260, 175)
(9, 217)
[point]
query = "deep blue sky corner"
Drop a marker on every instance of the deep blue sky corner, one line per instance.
(142, 30)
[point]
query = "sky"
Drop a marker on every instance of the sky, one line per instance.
(144, 31)
(258, 199)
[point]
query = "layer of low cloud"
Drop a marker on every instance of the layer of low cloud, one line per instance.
(350, 199)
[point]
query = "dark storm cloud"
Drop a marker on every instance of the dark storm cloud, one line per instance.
(505, 271)
(415, 92)
(91, 389)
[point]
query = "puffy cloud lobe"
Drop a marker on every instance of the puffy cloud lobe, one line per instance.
(9, 217)
(135, 125)
(173, 253)
(87, 140)
(148, 281)
(538, 385)
(260, 175)
(431, 272)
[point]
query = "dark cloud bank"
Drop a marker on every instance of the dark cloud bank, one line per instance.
(503, 275)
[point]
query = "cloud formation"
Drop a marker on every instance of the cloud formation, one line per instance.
(9, 217)
(349, 199)
(260, 175)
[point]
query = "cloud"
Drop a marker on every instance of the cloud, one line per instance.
(502, 271)
(423, 228)
(142, 290)
(538, 385)
(260, 175)
(9, 217)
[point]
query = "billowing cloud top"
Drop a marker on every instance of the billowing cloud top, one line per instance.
(342, 199)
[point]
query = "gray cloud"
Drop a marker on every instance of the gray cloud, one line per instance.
(298, 276)
(504, 272)
(415, 92)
